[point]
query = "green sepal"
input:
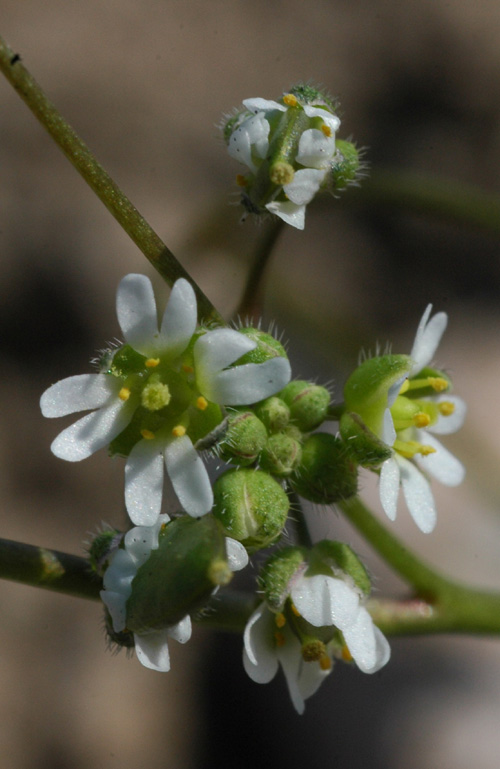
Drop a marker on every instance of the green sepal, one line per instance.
(361, 443)
(127, 361)
(326, 473)
(275, 575)
(101, 547)
(328, 554)
(308, 403)
(245, 438)
(345, 165)
(274, 413)
(280, 455)
(204, 422)
(251, 506)
(267, 347)
(180, 576)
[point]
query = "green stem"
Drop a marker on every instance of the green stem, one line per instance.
(100, 182)
(250, 306)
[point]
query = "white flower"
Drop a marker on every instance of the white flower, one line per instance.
(416, 447)
(151, 646)
(161, 389)
(323, 601)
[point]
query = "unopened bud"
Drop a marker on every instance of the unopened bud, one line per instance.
(326, 473)
(244, 439)
(274, 413)
(308, 403)
(281, 455)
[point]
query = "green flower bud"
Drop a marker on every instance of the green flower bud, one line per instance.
(278, 570)
(327, 554)
(251, 506)
(274, 413)
(361, 443)
(245, 438)
(267, 347)
(308, 403)
(346, 165)
(326, 473)
(281, 455)
(180, 576)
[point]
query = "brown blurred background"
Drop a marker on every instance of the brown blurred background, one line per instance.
(145, 85)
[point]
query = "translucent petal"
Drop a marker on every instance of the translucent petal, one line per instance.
(252, 132)
(144, 483)
(442, 465)
(217, 349)
(453, 422)
(389, 487)
(315, 149)
(179, 319)
(361, 641)
(181, 632)
(289, 212)
(139, 543)
(116, 604)
(427, 339)
(257, 104)
(92, 432)
(304, 186)
(259, 655)
(120, 573)
(388, 430)
(290, 659)
(189, 476)
(332, 121)
(237, 556)
(325, 601)
(249, 383)
(78, 393)
(311, 676)
(152, 650)
(136, 311)
(418, 495)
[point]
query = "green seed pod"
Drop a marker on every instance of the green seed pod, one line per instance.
(308, 403)
(275, 575)
(326, 474)
(274, 413)
(180, 576)
(251, 506)
(281, 455)
(327, 554)
(363, 445)
(245, 438)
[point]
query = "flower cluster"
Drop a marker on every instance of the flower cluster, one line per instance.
(290, 152)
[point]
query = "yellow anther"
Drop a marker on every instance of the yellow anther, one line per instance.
(187, 369)
(152, 362)
(295, 610)
(346, 654)
(281, 173)
(421, 419)
(147, 434)
(326, 130)
(408, 449)
(426, 450)
(404, 387)
(325, 663)
(179, 431)
(279, 638)
(201, 403)
(241, 180)
(163, 527)
(290, 100)
(438, 383)
(280, 620)
(446, 408)
(124, 394)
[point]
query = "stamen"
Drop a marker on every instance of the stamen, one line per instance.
(280, 620)
(446, 408)
(241, 180)
(295, 610)
(152, 362)
(326, 130)
(404, 387)
(438, 383)
(426, 450)
(290, 100)
(201, 403)
(279, 638)
(124, 394)
(325, 663)
(187, 369)
(147, 434)
(408, 449)
(179, 431)
(346, 654)
(421, 419)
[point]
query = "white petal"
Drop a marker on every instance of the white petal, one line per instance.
(289, 212)
(325, 601)
(92, 432)
(369, 649)
(181, 632)
(332, 121)
(79, 393)
(315, 149)
(179, 320)
(252, 132)
(189, 476)
(418, 495)
(304, 185)
(388, 430)
(442, 465)
(262, 105)
(237, 556)
(427, 339)
(136, 311)
(144, 482)
(120, 573)
(452, 423)
(290, 659)
(389, 487)
(152, 650)
(250, 383)
(139, 543)
(259, 655)
(116, 604)
(311, 676)
(217, 349)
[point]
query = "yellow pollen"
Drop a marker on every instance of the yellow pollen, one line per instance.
(438, 383)
(179, 431)
(201, 403)
(280, 620)
(426, 450)
(346, 654)
(147, 434)
(295, 610)
(124, 394)
(279, 638)
(187, 369)
(163, 527)
(446, 408)
(404, 387)
(325, 663)
(152, 362)
(290, 100)
(326, 130)
(421, 419)
(241, 180)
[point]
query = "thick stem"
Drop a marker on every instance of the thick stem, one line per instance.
(100, 182)
(250, 307)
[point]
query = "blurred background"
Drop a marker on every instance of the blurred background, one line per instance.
(145, 85)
